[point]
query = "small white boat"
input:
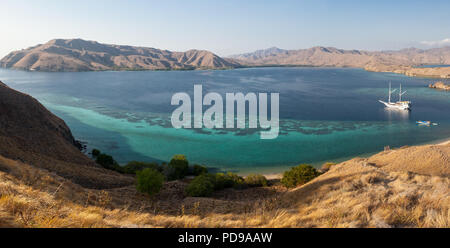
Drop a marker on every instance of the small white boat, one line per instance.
(402, 105)
(427, 123)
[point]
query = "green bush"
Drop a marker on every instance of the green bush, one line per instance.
(180, 160)
(108, 162)
(198, 170)
(95, 153)
(201, 186)
(220, 181)
(178, 168)
(255, 180)
(134, 166)
(299, 175)
(228, 180)
(149, 181)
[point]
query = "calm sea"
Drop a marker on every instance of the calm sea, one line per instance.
(328, 114)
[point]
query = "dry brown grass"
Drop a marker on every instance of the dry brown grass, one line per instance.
(352, 194)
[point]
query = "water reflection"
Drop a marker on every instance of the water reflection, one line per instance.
(396, 114)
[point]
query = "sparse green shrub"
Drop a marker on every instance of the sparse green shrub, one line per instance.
(180, 160)
(201, 186)
(228, 180)
(220, 181)
(108, 162)
(235, 180)
(180, 166)
(198, 170)
(149, 181)
(255, 180)
(299, 175)
(95, 153)
(134, 166)
(105, 160)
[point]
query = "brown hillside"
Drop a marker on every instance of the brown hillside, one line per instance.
(82, 55)
(330, 56)
(431, 160)
(355, 193)
(30, 133)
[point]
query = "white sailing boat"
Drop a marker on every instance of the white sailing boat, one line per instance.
(402, 105)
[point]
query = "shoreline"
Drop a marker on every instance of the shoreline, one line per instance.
(447, 142)
(409, 71)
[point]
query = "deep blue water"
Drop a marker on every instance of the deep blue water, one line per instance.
(328, 114)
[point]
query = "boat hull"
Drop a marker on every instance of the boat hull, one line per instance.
(400, 106)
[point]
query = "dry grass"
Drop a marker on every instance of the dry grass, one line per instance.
(352, 194)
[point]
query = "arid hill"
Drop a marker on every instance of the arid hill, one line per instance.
(33, 135)
(82, 55)
(403, 61)
(330, 56)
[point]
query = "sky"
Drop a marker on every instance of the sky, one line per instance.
(228, 27)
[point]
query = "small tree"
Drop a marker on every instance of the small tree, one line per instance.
(201, 186)
(135, 166)
(228, 180)
(198, 170)
(255, 180)
(149, 181)
(180, 166)
(299, 175)
(95, 153)
(106, 161)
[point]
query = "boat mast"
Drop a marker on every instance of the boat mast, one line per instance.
(401, 93)
(390, 92)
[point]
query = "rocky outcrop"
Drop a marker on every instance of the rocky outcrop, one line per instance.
(440, 86)
(82, 55)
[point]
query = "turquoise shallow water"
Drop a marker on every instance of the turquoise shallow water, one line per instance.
(327, 114)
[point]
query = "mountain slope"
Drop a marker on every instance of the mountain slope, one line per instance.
(31, 134)
(260, 54)
(82, 55)
(330, 56)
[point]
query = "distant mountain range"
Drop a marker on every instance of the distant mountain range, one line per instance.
(330, 56)
(260, 54)
(82, 55)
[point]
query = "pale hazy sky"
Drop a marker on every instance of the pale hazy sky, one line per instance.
(227, 27)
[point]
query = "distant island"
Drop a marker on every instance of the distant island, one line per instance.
(406, 61)
(61, 55)
(74, 55)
